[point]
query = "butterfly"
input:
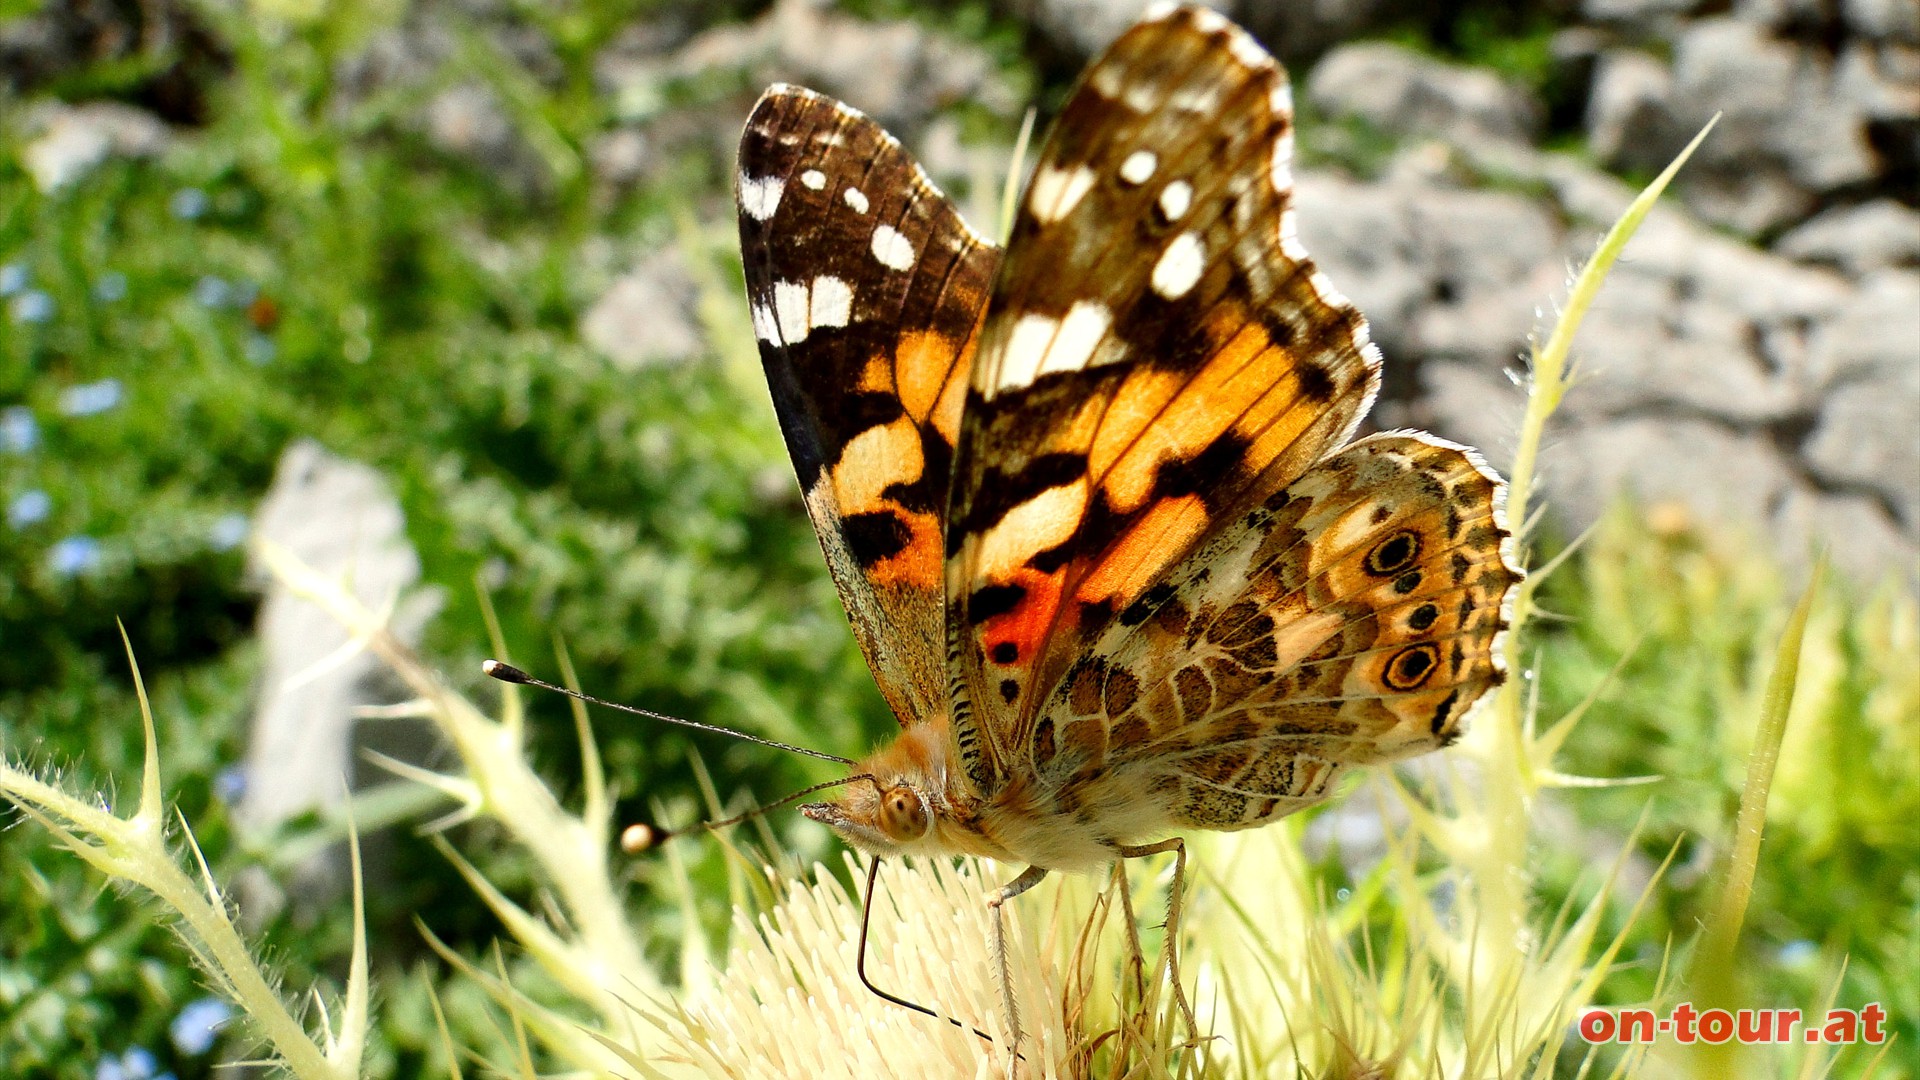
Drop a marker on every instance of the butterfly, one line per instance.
(1092, 501)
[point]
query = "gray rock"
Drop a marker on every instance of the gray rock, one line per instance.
(1401, 92)
(1858, 239)
(1718, 473)
(1638, 14)
(1863, 542)
(1867, 438)
(1084, 27)
(1300, 33)
(467, 120)
(1844, 453)
(1883, 20)
(1792, 16)
(1630, 103)
(1784, 125)
(1709, 371)
(340, 518)
(65, 142)
(647, 316)
(1881, 81)
(900, 73)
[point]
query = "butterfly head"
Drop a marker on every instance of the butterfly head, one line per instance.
(904, 807)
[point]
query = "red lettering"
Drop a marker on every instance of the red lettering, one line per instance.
(1783, 1021)
(1716, 1026)
(1683, 1016)
(1597, 1026)
(1876, 1018)
(1754, 1025)
(1637, 1025)
(1843, 1026)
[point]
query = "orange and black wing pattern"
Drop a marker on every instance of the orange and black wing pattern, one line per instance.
(866, 290)
(1158, 352)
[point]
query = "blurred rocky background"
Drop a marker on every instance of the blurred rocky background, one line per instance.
(1755, 358)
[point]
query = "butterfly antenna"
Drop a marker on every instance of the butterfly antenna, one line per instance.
(507, 673)
(635, 839)
(860, 964)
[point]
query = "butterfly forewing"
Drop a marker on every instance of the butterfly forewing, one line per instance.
(1158, 353)
(866, 290)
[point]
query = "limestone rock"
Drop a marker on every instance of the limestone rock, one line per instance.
(1399, 91)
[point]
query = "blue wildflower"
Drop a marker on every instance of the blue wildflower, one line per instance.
(260, 348)
(228, 532)
(1797, 953)
(139, 1063)
(29, 508)
(111, 286)
(13, 278)
(212, 291)
(32, 306)
(196, 1026)
(109, 1068)
(88, 399)
(187, 203)
(19, 431)
(229, 786)
(74, 555)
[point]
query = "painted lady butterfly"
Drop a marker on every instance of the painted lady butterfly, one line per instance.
(1090, 500)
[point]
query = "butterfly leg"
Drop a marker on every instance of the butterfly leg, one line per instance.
(1002, 965)
(1179, 848)
(1138, 955)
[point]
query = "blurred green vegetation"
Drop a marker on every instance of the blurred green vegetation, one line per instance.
(309, 264)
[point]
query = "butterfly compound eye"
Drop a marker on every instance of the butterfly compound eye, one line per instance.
(903, 816)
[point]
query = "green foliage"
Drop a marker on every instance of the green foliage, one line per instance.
(310, 265)
(1691, 614)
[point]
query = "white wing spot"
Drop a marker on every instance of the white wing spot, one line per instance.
(1080, 333)
(1175, 198)
(892, 249)
(1027, 345)
(1056, 192)
(1139, 166)
(764, 326)
(832, 303)
(1179, 267)
(1209, 21)
(799, 309)
(1203, 100)
(790, 311)
(1281, 167)
(1331, 296)
(856, 199)
(1041, 344)
(814, 179)
(1280, 99)
(1290, 244)
(760, 198)
(1247, 50)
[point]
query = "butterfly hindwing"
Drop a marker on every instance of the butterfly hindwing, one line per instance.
(1349, 618)
(866, 289)
(1158, 352)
